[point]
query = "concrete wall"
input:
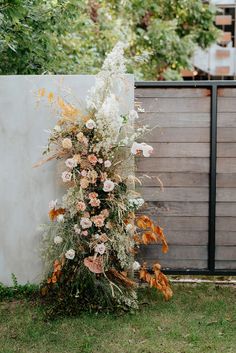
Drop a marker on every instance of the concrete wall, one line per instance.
(24, 191)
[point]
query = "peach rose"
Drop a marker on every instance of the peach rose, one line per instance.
(95, 202)
(80, 206)
(93, 195)
(92, 159)
(98, 220)
(66, 143)
(105, 212)
(84, 183)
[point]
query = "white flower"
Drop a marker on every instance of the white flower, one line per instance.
(52, 204)
(107, 164)
(90, 124)
(136, 148)
(147, 149)
(133, 115)
(100, 248)
(136, 266)
(129, 227)
(57, 128)
(85, 223)
(66, 143)
(136, 203)
(71, 163)
(84, 173)
(108, 185)
(60, 218)
(141, 110)
(141, 147)
(70, 254)
(77, 229)
(66, 176)
(57, 239)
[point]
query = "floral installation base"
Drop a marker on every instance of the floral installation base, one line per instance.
(90, 245)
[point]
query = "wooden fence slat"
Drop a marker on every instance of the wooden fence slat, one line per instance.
(226, 194)
(180, 119)
(227, 92)
(225, 265)
(176, 179)
(226, 149)
(176, 264)
(226, 224)
(198, 165)
(186, 135)
(226, 209)
(226, 180)
(177, 252)
(226, 253)
(226, 165)
(226, 238)
(183, 223)
(184, 208)
(226, 120)
(168, 149)
(175, 194)
(226, 104)
(226, 134)
(171, 92)
(177, 237)
(201, 105)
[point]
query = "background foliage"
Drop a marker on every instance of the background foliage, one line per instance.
(71, 36)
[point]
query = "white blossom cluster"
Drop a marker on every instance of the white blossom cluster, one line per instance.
(136, 203)
(102, 100)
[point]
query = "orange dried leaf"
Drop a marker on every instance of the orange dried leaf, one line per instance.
(144, 222)
(53, 213)
(149, 237)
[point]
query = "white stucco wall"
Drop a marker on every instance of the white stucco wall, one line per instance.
(25, 191)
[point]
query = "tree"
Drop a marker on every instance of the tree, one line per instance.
(69, 36)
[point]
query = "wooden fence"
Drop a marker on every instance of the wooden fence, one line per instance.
(194, 139)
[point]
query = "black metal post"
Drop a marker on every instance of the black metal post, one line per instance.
(212, 180)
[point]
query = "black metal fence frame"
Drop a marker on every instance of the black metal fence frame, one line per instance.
(213, 86)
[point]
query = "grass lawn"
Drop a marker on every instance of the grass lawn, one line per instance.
(199, 319)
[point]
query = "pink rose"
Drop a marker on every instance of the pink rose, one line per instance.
(66, 176)
(84, 233)
(83, 173)
(100, 248)
(71, 163)
(85, 223)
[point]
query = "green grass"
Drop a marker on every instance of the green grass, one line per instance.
(199, 319)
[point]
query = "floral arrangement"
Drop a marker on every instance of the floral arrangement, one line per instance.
(94, 235)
